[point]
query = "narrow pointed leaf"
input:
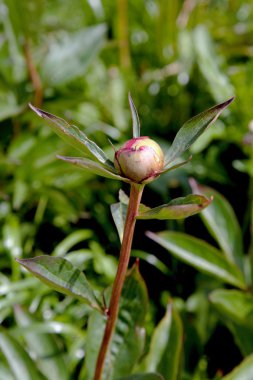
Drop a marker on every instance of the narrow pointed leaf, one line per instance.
(192, 129)
(221, 221)
(236, 310)
(93, 167)
(128, 340)
(178, 208)
(19, 361)
(135, 118)
(169, 167)
(61, 275)
(119, 211)
(166, 346)
(70, 241)
(234, 304)
(200, 255)
(244, 371)
(74, 136)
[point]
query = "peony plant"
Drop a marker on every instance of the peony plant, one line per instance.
(112, 352)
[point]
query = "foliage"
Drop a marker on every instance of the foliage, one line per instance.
(178, 59)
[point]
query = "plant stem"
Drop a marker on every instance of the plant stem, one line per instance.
(133, 206)
(123, 35)
(34, 75)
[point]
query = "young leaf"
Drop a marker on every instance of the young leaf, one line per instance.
(169, 167)
(128, 339)
(200, 255)
(192, 129)
(61, 275)
(222, 223)
(166, 346)
(119, 211)
(244, 371)
(75, 137)
(19, 361)
(135, 118)
(178, 208)
(93, 167)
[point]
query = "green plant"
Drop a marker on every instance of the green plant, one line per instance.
(114, 345)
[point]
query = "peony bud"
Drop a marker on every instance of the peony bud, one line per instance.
(139, 159)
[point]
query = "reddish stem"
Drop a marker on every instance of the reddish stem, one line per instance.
(133, 206)
(34, 75)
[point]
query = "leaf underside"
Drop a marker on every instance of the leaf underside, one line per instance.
(178, 208)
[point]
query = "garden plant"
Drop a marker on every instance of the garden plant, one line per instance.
(87, 302)
(138, 162)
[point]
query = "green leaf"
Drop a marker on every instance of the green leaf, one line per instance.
(234, 304)
(178, 208)
(128, 339)
(243, 336)
(93, 166)
(70, 57)
(50, 327)
(221, 221)
(61, 275)
(19, 361)
(169, 167)
(152, 260)
(44, 347)
(209, 63)
(12, 239)
(70, 241)
(192, 129)
(200, 255)
(144, 376)
(5, 372)
(135, 118)
(244, 371)
(166, 346)
(75, 137)
(119, 211)
(236, 310)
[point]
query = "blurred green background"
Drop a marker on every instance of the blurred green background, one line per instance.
(78, 59)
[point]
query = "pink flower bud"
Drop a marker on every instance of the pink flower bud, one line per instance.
(140, 160)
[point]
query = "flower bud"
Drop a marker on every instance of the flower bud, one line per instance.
(139, 159)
